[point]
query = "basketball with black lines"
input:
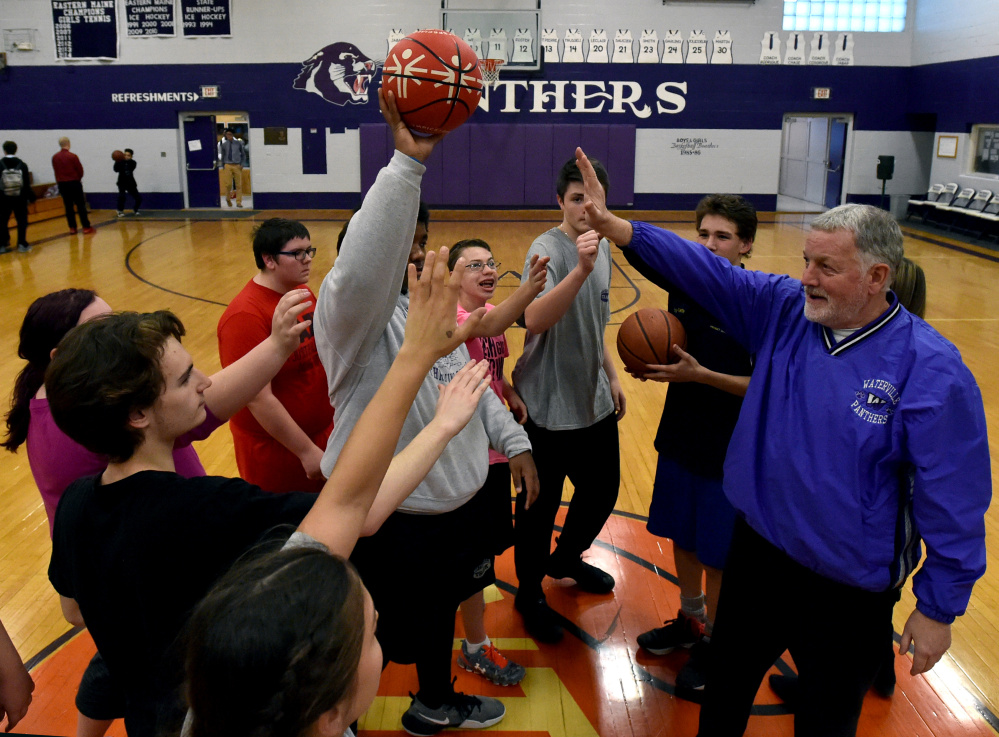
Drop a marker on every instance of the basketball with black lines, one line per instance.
(647, 336)
(436, 80)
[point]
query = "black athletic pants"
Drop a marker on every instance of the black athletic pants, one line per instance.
(18, 206)
(591, 458)
(769, 604)
(131, 189)
(72, 196)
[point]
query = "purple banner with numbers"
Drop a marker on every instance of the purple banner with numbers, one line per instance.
(206, 17)
(85, 29)
(148, 18)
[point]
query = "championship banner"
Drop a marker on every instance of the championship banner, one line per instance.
(206, 17)
(150, 18)
(85, 29)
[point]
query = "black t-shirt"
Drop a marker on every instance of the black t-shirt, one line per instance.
(137, 556)
(698, 420)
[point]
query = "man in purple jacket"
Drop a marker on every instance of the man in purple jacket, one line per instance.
(862, 432)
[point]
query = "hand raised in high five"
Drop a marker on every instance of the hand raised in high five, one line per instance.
(598, 217)
(419, 147)
(431, 328)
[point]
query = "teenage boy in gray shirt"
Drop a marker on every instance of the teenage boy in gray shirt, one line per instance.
(574, 401)
(430, 555)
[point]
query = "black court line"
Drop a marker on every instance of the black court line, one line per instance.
(952, 246)
(128, 265)
(46, 651)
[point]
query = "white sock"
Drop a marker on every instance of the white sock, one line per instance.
(694, 607)
(474, 647)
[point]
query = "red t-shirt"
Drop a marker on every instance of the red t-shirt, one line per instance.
(300, 386)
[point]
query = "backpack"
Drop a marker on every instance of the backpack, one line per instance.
(12, 181)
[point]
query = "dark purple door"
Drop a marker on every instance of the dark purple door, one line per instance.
(834, 162)
(199, 147)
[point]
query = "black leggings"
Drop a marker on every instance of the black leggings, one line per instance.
(591, 459)
(834, 632)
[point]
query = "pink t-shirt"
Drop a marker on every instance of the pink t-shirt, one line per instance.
(57, 461)
(493, 350)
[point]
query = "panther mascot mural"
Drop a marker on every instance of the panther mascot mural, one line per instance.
(340, 73)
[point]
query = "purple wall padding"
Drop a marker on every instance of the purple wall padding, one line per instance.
(456, 164)
(498, 167)
(508, 165)
(621, 150)
(538, 153)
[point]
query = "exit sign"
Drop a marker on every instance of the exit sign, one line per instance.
(821, 93)
(211, 91)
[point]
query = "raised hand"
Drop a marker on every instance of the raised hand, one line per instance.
(419, 147)
(431, 328)
(537, 275)
(286, 328)
(459, 398)
(598, 216)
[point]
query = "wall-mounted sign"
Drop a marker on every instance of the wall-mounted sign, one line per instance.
(821, 93)
(150, 18)
(211, 91)
(85, 29)
(206, 17)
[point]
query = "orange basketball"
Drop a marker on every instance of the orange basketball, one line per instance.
(117, 155)
(436, 80)
(648, 336)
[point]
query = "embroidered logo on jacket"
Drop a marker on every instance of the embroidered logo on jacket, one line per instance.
(875, 401)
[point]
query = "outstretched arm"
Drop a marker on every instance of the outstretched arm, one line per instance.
(507, 312)
(339, 513)
(689, 368)
(545, 311)
(234, 386)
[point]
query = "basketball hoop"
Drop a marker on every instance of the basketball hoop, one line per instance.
(490, 69)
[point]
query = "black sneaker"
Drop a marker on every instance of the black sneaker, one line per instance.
(588, 578)
(692, 676)
(466, 712)
(683, 631)
(540, 619)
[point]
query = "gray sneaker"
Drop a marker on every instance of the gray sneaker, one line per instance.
(467, 712)
(491, 664)
(23, 248)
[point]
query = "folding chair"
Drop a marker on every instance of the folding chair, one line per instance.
(918, 204)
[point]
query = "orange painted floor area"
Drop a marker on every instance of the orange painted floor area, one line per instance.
(594, 682)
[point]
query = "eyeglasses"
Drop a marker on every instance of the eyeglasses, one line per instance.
(299, 255)
(480, 265)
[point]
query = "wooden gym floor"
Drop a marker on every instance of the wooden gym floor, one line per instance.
(594, 683)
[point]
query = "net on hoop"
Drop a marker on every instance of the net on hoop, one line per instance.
(490, 69)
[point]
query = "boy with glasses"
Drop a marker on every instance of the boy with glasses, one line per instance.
(280, 435)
